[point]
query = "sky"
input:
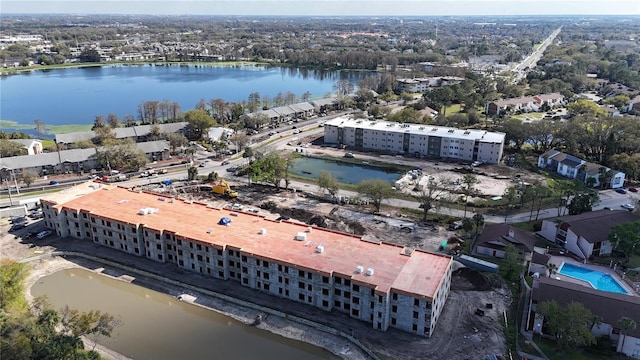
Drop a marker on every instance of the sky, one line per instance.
(324, 7)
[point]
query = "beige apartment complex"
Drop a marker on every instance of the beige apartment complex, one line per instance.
(383, 284)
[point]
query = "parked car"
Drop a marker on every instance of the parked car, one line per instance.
(349, 155)
(17, 226)
(455, 226)
(53, 182)
(629, 207)
(632, 189)
(621, 191)
(36, 214)
(226, 162)
(43, 234)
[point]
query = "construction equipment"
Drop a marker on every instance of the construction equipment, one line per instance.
(114, 178)
(223, 188)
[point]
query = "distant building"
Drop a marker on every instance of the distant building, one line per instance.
(138, 133)
(382, 284)
(524, 104)
(576, 168)
(419, 85)
(33, 146)
(415, 139)
(439, 69)
(585, 234)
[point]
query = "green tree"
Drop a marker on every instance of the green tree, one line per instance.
(328, 182)
(12, 276)
(176, 140)
(626, 324)
(89, 55)
(121, 154)
(192, 173)
(433, 195)
(571, 324)
(40, 128)
(478, 222)
(512, 263)
(469, 182)
(212, 177)
(626, 237)
(10, 148)
(376, 190)
(582, 202)
(271, 168)
(199, 122)
(29, 177)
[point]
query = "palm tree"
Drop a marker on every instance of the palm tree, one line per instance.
(626, 324)
(478, 221)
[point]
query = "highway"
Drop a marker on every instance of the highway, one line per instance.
(521, 69)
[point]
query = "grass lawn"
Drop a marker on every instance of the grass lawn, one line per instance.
(549, 348)
(453, 109)
(529, 116)
(50, 129)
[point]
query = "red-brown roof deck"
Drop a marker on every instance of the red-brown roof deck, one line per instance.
(419, 273)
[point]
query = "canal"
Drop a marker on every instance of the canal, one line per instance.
(157, 326)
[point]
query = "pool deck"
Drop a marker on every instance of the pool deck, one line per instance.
(559, 260)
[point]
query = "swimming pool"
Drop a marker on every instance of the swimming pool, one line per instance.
(598, 280)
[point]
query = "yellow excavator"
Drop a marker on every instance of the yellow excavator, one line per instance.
(223, 188)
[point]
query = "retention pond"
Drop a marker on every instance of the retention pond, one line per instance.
(157, 326)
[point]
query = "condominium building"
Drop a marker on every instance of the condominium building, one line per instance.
(383, 284)
(415, 139)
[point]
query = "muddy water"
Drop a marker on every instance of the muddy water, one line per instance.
(157, 326)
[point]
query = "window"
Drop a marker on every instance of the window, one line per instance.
(325, 303)
(301, 297)
(337, 292)
(325, 291)
(325, 279)
(355, 312)
(415, 314)
(301, 273)
(300, 285)
(394, 308)
(416, 302)
(158, 246)
(355, 300)
(356, 287)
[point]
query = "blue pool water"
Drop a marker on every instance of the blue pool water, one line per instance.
(599, 280)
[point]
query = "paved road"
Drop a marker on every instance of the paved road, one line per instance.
(608, 198)
(530, 61)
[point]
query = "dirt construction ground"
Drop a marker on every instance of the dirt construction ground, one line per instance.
(460, 333)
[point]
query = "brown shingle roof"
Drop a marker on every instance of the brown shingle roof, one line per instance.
(609, 306)
(595, 226)
(500, 233)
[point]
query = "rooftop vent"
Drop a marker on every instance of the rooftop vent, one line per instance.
(122, 201)
(320, 249)
(300, 236)
(359, 269)
(262, 231)
(467, 132)
(308, 229)
(209, 231)
(434, 129)
(451, 131)
(369, 271)
(147, 210)
(421, 128)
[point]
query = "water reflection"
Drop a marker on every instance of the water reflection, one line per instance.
(156, 326)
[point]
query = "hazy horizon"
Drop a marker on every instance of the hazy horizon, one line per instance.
(325, 7)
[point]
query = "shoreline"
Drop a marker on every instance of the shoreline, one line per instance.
(339, 346)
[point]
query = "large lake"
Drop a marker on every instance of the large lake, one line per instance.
(78, 95)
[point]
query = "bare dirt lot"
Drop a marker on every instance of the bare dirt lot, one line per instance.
(460, 333)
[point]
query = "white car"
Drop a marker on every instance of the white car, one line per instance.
(43, 234)
(629, 207)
